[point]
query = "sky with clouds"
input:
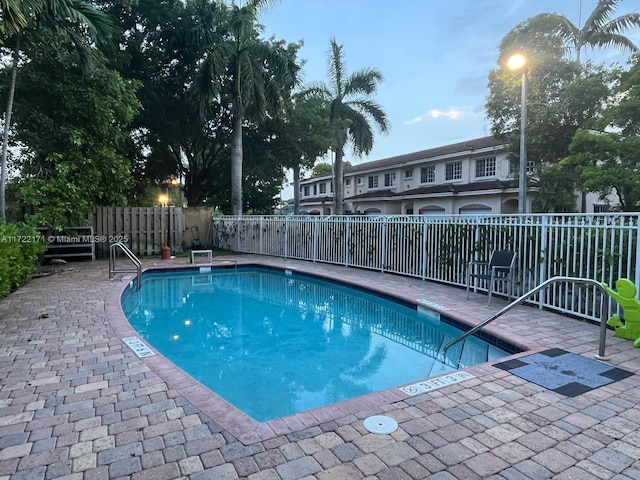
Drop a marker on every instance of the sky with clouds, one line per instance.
(435, 56)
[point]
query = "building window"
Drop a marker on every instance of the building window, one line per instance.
(428, 174)
(306, 191)
(360, 180)
(514, 167)
(453, 171)
(347, 182)
(600, 208)
(486, 167)
(373, 181)
(315, 189)
(389, 179)
(331, 186)
(408, 173)
(323, 188)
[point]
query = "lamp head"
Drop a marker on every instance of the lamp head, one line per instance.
(516, 62)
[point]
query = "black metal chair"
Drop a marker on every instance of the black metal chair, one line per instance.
(499, 268)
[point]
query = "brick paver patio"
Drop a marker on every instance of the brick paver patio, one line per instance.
(77, 404)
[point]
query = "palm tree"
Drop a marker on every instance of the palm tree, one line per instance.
(350, 113)
(22, 23)
(258, 71)
(600, 30)
(13, 20)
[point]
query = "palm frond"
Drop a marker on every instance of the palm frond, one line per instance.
(259, 6)
(85, 56)
(600, 15)
(567, 31)
(360, 133)
(619, 24)
(614, 40)
(363, 81)
(278, 62)
(98, 24)
(336, 67)
(319, 89)
(13, 17)
(372, 110)
(243, 21)
(207, 80)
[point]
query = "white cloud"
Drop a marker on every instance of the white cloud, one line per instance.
(453, 113)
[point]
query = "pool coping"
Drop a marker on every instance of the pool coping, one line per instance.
(243, 427)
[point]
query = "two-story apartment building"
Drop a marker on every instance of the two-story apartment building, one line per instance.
(472, 177)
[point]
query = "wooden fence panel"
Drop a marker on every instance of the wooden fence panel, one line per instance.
(142, 229)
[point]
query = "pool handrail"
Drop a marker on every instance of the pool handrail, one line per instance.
(521, 299)
(137, 268)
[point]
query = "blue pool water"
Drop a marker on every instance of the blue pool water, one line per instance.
(274, 343)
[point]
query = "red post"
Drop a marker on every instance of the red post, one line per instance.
(165, 253)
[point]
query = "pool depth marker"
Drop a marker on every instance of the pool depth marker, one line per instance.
(138, 347)
(435, 383)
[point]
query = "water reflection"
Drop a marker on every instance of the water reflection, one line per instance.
(273, 344)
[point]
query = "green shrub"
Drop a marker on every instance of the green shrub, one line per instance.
(20, 246)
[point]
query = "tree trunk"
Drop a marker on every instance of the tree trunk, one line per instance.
(192, 197)
(338, 191)
(7, 127)
(236, 158)
(296, 189)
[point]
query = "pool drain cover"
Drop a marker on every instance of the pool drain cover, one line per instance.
(380, 424)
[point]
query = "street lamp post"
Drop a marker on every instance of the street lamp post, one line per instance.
(169, 218)
(517, 62)
(165, 252)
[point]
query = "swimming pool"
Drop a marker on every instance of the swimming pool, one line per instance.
(273, 343)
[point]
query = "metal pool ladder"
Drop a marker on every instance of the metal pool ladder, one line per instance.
(518, 301)
(137, 265)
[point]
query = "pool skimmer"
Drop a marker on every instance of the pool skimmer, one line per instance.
(380, 424)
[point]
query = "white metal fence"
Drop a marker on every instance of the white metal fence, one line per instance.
(603, 247)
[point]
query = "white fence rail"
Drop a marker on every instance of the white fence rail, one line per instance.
(602, 247)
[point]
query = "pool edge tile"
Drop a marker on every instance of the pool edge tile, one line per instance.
(244, 428)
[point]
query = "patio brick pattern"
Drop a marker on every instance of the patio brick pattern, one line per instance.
(77, 404)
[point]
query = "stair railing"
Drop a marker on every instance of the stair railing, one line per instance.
(603, 312)
(137, 265)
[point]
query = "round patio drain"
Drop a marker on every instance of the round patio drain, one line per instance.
(380, 424)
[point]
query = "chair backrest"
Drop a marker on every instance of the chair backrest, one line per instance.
(502, 258)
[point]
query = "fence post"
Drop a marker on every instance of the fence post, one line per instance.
(542, 274)
(347, 241)
(239, 223)
(425, 252)
(261, 236)
(637, 259)
(286, 237)
(315, 239)
(383, 249)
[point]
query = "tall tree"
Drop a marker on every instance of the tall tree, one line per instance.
(304, 134)
(351, 111)
(608, 162)
(560, 100)
(599, 30)
(258, 70)
(161, 46)
(81, 23)
(75, 127)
